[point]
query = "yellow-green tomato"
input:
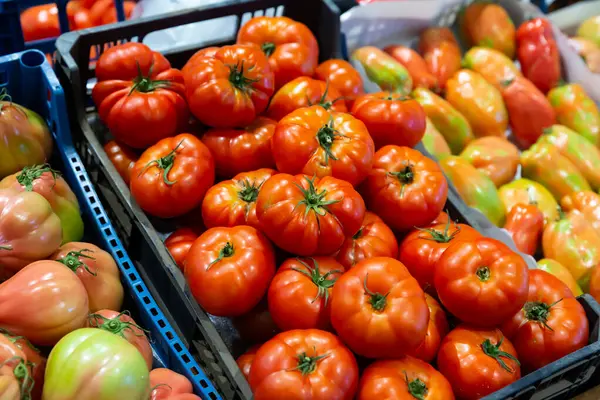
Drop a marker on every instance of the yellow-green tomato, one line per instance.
(434, 142)
(558, 270)
(93, 364)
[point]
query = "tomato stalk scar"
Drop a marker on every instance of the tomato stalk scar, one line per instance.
(226, 251)
(406, 176)
(483, 273)
(6, 248)
(268, 48)
(314, 201)
(416, 387)
(322, 281)
(538, 311)
(165, 164)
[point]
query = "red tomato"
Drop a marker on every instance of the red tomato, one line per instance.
(299, 295)
(481, 281)
(305, 92)
(441, 53)
(245, 361)
(122, 157)
(525, 224)
(124, 62)
(405, 188)
(229, 269)
(436, 330)
(104, 12)
(142, 111)
(172, 176)
(317, 142)
(391, 118)
(40, 22)
(378, 309)
(169, 385)
(179, 243)
(550, 325)
(373, 239)
(290, 46)
(404, 379)
(307, 216)
(422, 248)
(304, 364)
(477, 362)
(238, 150)
(231, 88)
(415, 64)
(441, 219)
(341, 75)
(202, 53)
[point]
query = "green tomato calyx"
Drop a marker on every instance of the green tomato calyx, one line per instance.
(249, 191)
(493, 350)
(268, 48)
(406, 176)
(307, 364)
(145, 84)
(226, 251)
(323, 282)
(29, 174)
(238, 79)
(22, 372)
(313, 200)
(483, 273)
(115, 325)
(73, 260)
(164, 164)
(439, 236)
(416, 387)
(378, 301)
(539, 312)
(326, 136)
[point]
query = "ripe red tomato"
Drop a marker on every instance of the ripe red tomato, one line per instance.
(481, 281)
(437, 329)
(202, 53)
(229, 269)
(299, 295)
(550, 325)
(290, 46)
(378, 309)
(406, 188)
(238, 150)
(373, 239)
(179, 243)
(245, 361)
(304, 364)
(477, 362)
(122, 157)
(441, 219)
(305, 92)
(172, 176)
(391, 118)
(142, 111)
(317, 142)
(230, 88)
(403, 379)
(40, 22)
(341, 75)
(125, 61)
(307, 216)
(422, 248)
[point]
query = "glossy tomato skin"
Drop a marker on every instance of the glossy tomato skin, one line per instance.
(406, 378)
(230, 88)
(422, 248)
(383, 70)
(122, 157)
(233, 202)
(525, 224)
(524, 191)
(292, 366)
(481, 281)
(121, 62)
(474, 369)
(245, 361)
(317, 142)
(290, 46)
(179, 244)
(17, 355)
(441, 53)
(171, 177)
(391, 119)
(341, 75)
(40, 22)
(415, 64)
(492, 64)
(561, 272)
(437, 329)
(167, 385)
(587, 203)
(229, 269)
(309, 216)
(495, 156)
(406, 188)
(378, 309)
(300, 293)
(373, 239)
(237, 150)
(551, 325)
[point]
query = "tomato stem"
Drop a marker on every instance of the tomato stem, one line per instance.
(378, 301)
(14, 339)
(326, 135)
(322, 281)
(22, 373)
(538, 311)
(226, 251)
(145, 84)
(322, 100)
(358, 234)
(406, 176)
(416, 387)
(308, 364)
(561, 213)
(494, 351)
(483, 273)
(314, 201)
(249, 191)
(440, 237)
(115, 325)
(165, 164)
(268, 48)
(73, 262)
(29, 174)
(9, 248)
(237, 78)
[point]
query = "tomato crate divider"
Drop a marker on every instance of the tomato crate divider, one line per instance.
(31, 82)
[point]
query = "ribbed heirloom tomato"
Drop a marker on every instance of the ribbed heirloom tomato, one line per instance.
(309, 216)
(124, 62)
(122, 157)
(436, 330)
(317, 142)
(179, 244)
(341, 75)
(378, 309)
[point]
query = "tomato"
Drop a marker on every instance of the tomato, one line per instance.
(104, 12)
(404, 379)
(492, 64)
(43, 302)
(44, 180)
(587, 203)
(525, 191)
(40, 22)
(594, 286)
(406, 188)
(169, 385)
(229, 269)
(441, 53)
(209, 52)
(434, 141)
(231, 88)
(304, 364)
(238, 150)
(391, 119)
(558, 270)
(436, 330)
(307, 216)
(125, 61)
(379, 310)
(299, 295)
(415, 64)
(477, 362)
(442, 219)
(588, 51)
(525, 224)
(590, 29)
(489, 25)
(550, 325)
(29, 229)
(373, 239)
(179, 243)
(171, 177)
(495, 156)
(383, 69)
(290, 46)
(24, 364)
(93, 364)
(480, 103)
(341, 75)
(317, 142)
(122, 157)
(481, 281)
(257, 325)
(422, 248)
(245, 361)
(97, 271)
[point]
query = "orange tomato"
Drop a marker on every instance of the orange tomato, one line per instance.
(494, 156)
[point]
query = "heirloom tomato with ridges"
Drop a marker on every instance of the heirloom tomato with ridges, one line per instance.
(489, 25)
(122, 157)
(415, 64)
(434, 141)
(179, 243)
(436, 330)
(495, 156)
(341, 75)
(128, 60)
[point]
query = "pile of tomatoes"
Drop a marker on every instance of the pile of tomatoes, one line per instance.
(323, 237)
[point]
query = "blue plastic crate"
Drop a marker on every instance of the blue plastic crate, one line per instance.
(32, 83)
(11, 35)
